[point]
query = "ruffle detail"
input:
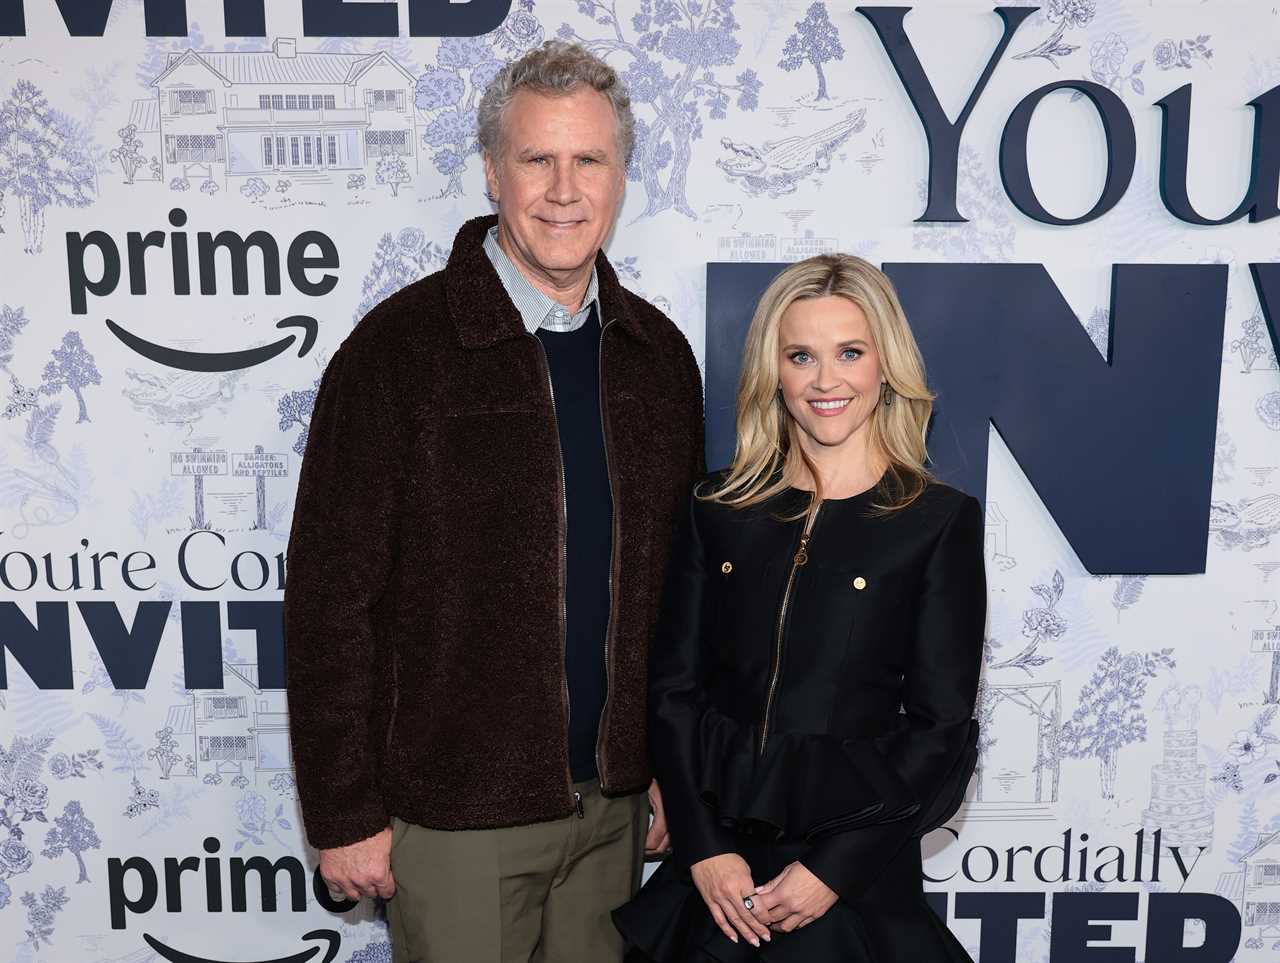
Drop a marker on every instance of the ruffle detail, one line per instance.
(804, 787)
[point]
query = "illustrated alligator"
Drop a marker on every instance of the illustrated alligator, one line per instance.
(179, 399)
(1250, 524)
(776, 167)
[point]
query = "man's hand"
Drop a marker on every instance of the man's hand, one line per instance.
(793, 898)
(724, 881)
(361, 869)
(658, 840)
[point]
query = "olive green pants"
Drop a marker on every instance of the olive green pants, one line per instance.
(540, 893)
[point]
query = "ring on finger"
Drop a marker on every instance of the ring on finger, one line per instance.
(746, 901)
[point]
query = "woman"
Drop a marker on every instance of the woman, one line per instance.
(813, 679)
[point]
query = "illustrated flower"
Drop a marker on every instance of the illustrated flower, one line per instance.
(1246, 746)
(1073, 13)
(520, 33)
(1229, 777)
(409, 241)
(1268, 409)
(31, 795)
(1043, 624)
(15, 858)
(252, 809)
(1106, 57)
(1165, 54)
(60, 765)
(5, 894)
(40, 917)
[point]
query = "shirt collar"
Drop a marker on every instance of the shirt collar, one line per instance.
(536, 308)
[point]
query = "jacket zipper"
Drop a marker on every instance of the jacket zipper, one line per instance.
(564, 562)
(613, 559)
(800, 558)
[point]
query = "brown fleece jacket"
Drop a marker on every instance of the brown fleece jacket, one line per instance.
(423, 607)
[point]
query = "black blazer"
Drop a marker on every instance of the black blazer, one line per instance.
(829, 701)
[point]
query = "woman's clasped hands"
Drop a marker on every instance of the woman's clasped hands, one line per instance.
(793, 898)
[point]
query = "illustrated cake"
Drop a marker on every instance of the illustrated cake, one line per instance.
(1178, 807)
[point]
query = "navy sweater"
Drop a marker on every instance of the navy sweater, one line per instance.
(573, 357)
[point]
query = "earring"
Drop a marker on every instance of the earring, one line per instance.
(886, 393)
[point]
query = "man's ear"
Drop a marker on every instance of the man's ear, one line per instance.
(490, 177)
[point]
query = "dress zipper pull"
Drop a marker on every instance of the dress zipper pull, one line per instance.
(802, 554)
(577, 804)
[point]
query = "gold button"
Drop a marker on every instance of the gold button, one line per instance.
(727, 567)
(859, 583)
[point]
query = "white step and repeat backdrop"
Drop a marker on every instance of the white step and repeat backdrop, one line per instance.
(155, 410)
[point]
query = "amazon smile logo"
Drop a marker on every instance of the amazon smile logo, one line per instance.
(330, 939)
(95, 266)
(134, 888)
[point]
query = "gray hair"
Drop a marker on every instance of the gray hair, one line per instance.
(556, 67)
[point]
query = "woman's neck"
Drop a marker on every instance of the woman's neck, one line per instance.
(842, 473)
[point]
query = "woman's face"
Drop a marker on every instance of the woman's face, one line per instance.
(829, 369)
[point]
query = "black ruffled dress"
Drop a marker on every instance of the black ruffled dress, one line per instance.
(811, 699)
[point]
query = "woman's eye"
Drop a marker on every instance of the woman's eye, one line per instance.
(851, 354)
(800, 357)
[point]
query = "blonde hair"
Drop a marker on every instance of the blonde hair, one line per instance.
(768, 434)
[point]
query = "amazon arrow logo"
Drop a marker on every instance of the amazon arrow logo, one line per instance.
(96, 266)
(221, 360)
(329, 937)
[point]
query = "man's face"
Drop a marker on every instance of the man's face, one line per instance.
(558, 180)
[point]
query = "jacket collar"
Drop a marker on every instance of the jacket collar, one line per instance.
(482, 312)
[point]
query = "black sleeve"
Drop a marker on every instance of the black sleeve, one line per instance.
(677, 686)
(933, 752)
(341, 550)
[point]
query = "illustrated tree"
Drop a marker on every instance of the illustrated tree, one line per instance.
(391, 170)
(129, 153)
(12, 321)
(1109, 716)
(693, 39)
(39, 163)
(73, 833)
(449, 93)
(72, 367)
(815, 41)
(295, 408)
(399, 259)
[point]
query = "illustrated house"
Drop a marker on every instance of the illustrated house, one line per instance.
(238, 730)
(242, 114)
(1261, 896)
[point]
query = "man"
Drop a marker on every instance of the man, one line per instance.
(493, 467)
